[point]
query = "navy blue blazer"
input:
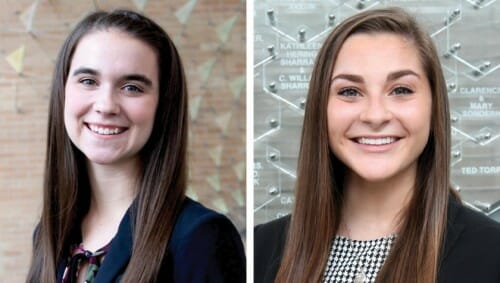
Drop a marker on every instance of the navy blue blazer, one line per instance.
(204, 247)
(471, 251)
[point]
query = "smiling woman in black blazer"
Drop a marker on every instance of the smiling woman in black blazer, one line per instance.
(373, 201)
(114, 207)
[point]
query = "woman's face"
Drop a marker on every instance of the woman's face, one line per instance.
(111, 96)
(379, 107)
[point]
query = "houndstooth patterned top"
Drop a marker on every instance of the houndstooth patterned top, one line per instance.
(355, 261)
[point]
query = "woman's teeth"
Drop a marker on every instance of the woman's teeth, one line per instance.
(105, 131)
(376, 141)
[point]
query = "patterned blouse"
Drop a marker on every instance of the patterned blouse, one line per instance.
(355, 261)
(78, 257)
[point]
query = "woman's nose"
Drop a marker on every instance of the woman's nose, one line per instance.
(106, 102)
(376, 111)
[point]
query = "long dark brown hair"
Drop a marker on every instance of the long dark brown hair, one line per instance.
(162, 181)
(315, 219)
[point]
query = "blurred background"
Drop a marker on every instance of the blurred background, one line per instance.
(288, 34)
(210, 36)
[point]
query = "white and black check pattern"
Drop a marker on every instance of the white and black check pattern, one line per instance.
(349, 257)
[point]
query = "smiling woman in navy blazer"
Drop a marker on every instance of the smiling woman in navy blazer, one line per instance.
(114, 207)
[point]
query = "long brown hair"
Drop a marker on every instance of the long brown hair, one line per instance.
(315, 219)
(162, 182)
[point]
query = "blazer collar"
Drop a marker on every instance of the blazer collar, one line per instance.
(119, 252)
(454, 226)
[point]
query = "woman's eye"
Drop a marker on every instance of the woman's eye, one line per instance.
(349, 92)
(402, 91)
(132, 88)
(88, 82)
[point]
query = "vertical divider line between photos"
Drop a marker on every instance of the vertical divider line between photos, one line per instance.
(249, 138)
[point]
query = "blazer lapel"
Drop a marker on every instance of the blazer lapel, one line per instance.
(119, 253)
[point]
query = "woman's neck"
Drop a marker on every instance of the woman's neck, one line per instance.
(113, 189)
(374, 209)
(112, 186)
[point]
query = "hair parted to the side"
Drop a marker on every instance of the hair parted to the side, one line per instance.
(162, 183)
(315, 219)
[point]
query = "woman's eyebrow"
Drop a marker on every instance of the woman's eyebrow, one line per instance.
(349, 77)
(85, 70)
(138, 77)
(398, 74)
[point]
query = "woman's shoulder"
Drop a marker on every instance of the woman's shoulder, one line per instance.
(275, 229)
(474, 230)
(195, 218)
(472, 246)
(474, 223)
(269, 242)
(194, 209)
(205, 246)
(269, 239)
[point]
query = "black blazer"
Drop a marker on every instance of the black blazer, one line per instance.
(471, 251)
(204, 247)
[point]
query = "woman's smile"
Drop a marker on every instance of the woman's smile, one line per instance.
(105, 130)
